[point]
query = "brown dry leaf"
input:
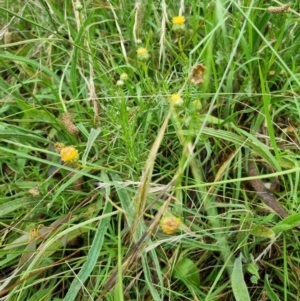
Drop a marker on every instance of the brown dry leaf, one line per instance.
(197, 76)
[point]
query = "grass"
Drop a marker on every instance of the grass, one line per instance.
(152, 146)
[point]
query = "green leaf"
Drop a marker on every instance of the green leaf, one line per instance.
(271, 294)
(36, 113)
(238, 284)
(262, 231)
(40, 295)
(253, 269)
(91, 139)
(288, 223)
(14, 205)
(254, 279)
(93, 254)
(125, 199)
(16, 133)
(187, 271)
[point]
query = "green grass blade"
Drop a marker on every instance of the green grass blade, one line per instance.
(92, 256)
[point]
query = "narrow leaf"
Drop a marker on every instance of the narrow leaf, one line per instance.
(91, 139)
(14, 205)
(238, 284)
(271, 294)
(92, 256)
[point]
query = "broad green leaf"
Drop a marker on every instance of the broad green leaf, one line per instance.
(186, 270)
(288, 223)
(262, 231)
(253, 269)
(238, 284)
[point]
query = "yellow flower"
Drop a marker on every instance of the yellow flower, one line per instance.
(197, 104)
(178, 20)
(176, 100)
(124, 76)
(170, 224)
(142, 51)
(142, 54)
(69, 154)
(178, 24)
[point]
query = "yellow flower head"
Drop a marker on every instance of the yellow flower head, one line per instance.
(178, 20)
(197, 104)
(142, 51)
(142, 54)
(124, 76)
(176, 100)
(170, 224)
(178, 24)
(69, 154)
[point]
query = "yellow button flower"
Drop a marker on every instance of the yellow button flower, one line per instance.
(197, 104)
(178, 20)
(176, 100)
(170, 224)
(124, 76)
(178, 24)
(142, 54)
(69, 154)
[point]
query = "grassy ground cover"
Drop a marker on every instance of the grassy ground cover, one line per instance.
(126, 132)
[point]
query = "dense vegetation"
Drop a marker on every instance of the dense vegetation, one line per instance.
(127, 131)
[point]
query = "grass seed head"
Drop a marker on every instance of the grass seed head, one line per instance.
(279, 9)
(68, 124)
(197, 76)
